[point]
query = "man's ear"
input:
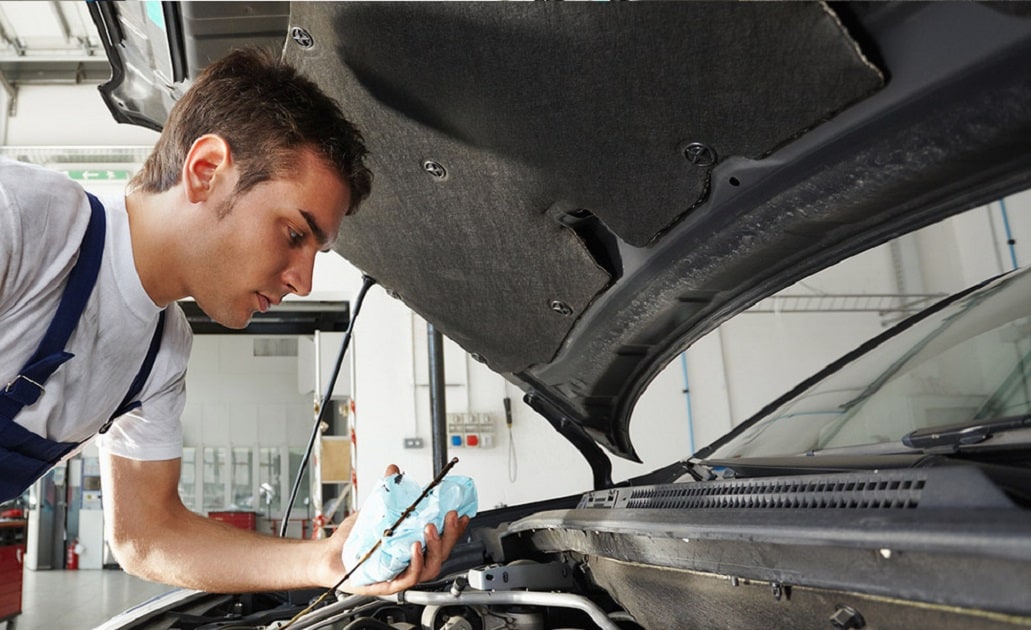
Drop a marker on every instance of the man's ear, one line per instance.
(206, 167)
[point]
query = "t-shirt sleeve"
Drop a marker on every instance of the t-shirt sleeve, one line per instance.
(154, 431)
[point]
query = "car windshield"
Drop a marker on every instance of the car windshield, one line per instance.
(967, 363)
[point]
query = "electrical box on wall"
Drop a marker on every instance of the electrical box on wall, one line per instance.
(470, 430)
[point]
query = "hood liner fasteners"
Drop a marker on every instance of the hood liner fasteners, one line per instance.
(561, 308)
(302, 37)
(436, 169)
(701, 155)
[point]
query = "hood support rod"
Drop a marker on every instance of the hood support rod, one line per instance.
(438, 403)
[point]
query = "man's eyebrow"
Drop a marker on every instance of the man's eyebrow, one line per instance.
(316, 229)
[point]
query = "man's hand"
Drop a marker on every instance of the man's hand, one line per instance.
(438, 547)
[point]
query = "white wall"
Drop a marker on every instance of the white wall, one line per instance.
(392, 402)
(238, 399)
(764, 349)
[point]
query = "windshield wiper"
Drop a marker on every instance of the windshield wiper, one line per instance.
(964, 434)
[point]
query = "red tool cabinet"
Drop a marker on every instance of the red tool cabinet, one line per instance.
(12, 558)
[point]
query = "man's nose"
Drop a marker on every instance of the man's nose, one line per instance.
(298, 276)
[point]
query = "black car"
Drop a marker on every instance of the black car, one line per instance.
(576, 192)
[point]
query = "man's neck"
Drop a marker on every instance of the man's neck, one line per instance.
(156, 248)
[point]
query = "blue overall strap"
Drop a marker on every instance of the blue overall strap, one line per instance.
(27, 387)
(25, 456)
(129, 402)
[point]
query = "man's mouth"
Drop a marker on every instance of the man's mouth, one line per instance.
(263, 303)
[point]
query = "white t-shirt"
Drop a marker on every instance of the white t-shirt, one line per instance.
(43, 217)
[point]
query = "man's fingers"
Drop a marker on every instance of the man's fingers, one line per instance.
(435, 553)
(439, 545)
(454, 527)
(415, 569)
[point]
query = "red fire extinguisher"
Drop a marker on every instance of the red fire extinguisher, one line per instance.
(72, 557)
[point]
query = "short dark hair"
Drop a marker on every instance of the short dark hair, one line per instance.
(266, 111)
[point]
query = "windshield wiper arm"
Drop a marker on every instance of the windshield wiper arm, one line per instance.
(964, 434)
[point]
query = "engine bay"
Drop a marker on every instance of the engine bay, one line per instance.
(856, 549)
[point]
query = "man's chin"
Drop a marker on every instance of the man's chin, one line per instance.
(233, 321)
(234, 325)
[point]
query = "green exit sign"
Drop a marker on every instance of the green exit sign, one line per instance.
(99, 174)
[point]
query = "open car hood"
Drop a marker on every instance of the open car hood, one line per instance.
(575, 193)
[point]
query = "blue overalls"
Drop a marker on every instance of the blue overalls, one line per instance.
(25, 456)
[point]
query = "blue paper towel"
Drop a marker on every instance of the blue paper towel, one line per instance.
(391, 497)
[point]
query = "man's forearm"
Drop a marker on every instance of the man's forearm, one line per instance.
(200, 553)
(154, 536)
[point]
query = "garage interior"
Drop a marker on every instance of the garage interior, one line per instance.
(254, 395)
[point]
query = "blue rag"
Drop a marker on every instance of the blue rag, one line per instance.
(391, 497)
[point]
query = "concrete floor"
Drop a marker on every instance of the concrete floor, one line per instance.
(75, 600)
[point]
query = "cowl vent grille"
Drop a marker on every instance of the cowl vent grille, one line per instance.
(873, 490)
(853, 494)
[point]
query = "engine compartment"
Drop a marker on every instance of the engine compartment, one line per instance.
(857, 549)
(521, 595)
(682, 598)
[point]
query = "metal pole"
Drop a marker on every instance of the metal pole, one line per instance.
(438, 407)
(315, 472)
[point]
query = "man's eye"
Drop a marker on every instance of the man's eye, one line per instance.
(295, 236)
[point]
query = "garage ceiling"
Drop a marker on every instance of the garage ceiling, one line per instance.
(49, 43)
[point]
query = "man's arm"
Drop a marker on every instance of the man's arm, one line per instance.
(154, 536)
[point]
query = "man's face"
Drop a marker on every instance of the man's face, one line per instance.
(263, 247)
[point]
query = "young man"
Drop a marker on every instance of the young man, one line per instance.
(250, 178)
